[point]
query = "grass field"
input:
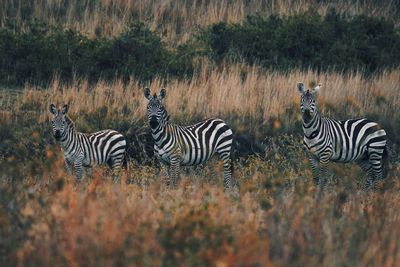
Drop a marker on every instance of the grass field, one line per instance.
(236, 90)
(271, 223)
(276, 217)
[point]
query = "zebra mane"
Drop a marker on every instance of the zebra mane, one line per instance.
(69, 122)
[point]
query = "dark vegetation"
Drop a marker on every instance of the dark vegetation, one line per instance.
(40, 53)
(301, 41)
(309, 41)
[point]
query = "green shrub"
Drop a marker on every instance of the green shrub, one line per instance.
(301, 41)
(308, 40)
(43, 51)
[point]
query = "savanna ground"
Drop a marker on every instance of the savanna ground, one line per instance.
(275, 219)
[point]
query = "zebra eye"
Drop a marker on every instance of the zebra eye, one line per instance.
(313, 135)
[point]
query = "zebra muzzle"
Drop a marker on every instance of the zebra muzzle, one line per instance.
(308, 112)
(57, 135)
(153, 122)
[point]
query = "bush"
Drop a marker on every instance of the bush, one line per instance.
(43, 51)
(304, 41)
(308, 40)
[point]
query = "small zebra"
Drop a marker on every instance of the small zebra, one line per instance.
(176, 145)
(355, 140)
(84, 150)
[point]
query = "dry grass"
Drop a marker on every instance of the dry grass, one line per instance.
(175, 20)
(276, 218)
(53, 222)
(238, 92)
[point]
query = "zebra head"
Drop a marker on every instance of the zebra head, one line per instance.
(308, 103)
(58, 120)
(155, 109)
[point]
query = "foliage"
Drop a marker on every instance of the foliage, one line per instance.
(300, 41)
(42, 51)
(308, 40)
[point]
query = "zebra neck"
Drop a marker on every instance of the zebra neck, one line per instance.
(161, 133)
(312, 127)
(68, 138)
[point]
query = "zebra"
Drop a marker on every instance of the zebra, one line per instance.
(176, 145)
(84, 150)
(356, 140)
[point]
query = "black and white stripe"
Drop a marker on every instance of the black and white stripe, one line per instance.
(355, 140)
(85, 150)
(177, 145)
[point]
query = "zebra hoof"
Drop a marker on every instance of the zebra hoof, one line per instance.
(369, 186)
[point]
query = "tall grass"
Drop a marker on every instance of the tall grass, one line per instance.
(52, 222)
(237, 92)
(175, 20)
(276, 218)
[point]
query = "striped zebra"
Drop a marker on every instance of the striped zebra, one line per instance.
(176, 145)
(85, 150)
(355, 140)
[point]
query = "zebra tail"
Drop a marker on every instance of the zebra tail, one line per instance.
(125, 162)
(385, 162)
(232, 166)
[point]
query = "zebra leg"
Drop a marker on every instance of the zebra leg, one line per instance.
(116, 164)
(224, 149)
(314, 162)
(375, 160)
(228, 169)
(175, 162)
(78, 170)
(165, 170)
(164, 167)
(68, 166)
(367, 168)
(323, 174)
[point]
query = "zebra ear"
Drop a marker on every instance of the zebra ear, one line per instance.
(162, 94)
(53, 109)
(65, 109)
(316, 88)
(301, 88)
(147, 93)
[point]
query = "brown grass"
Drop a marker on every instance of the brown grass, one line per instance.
(276, 219)
(98, 223)
(246, 92)
(175, 20)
